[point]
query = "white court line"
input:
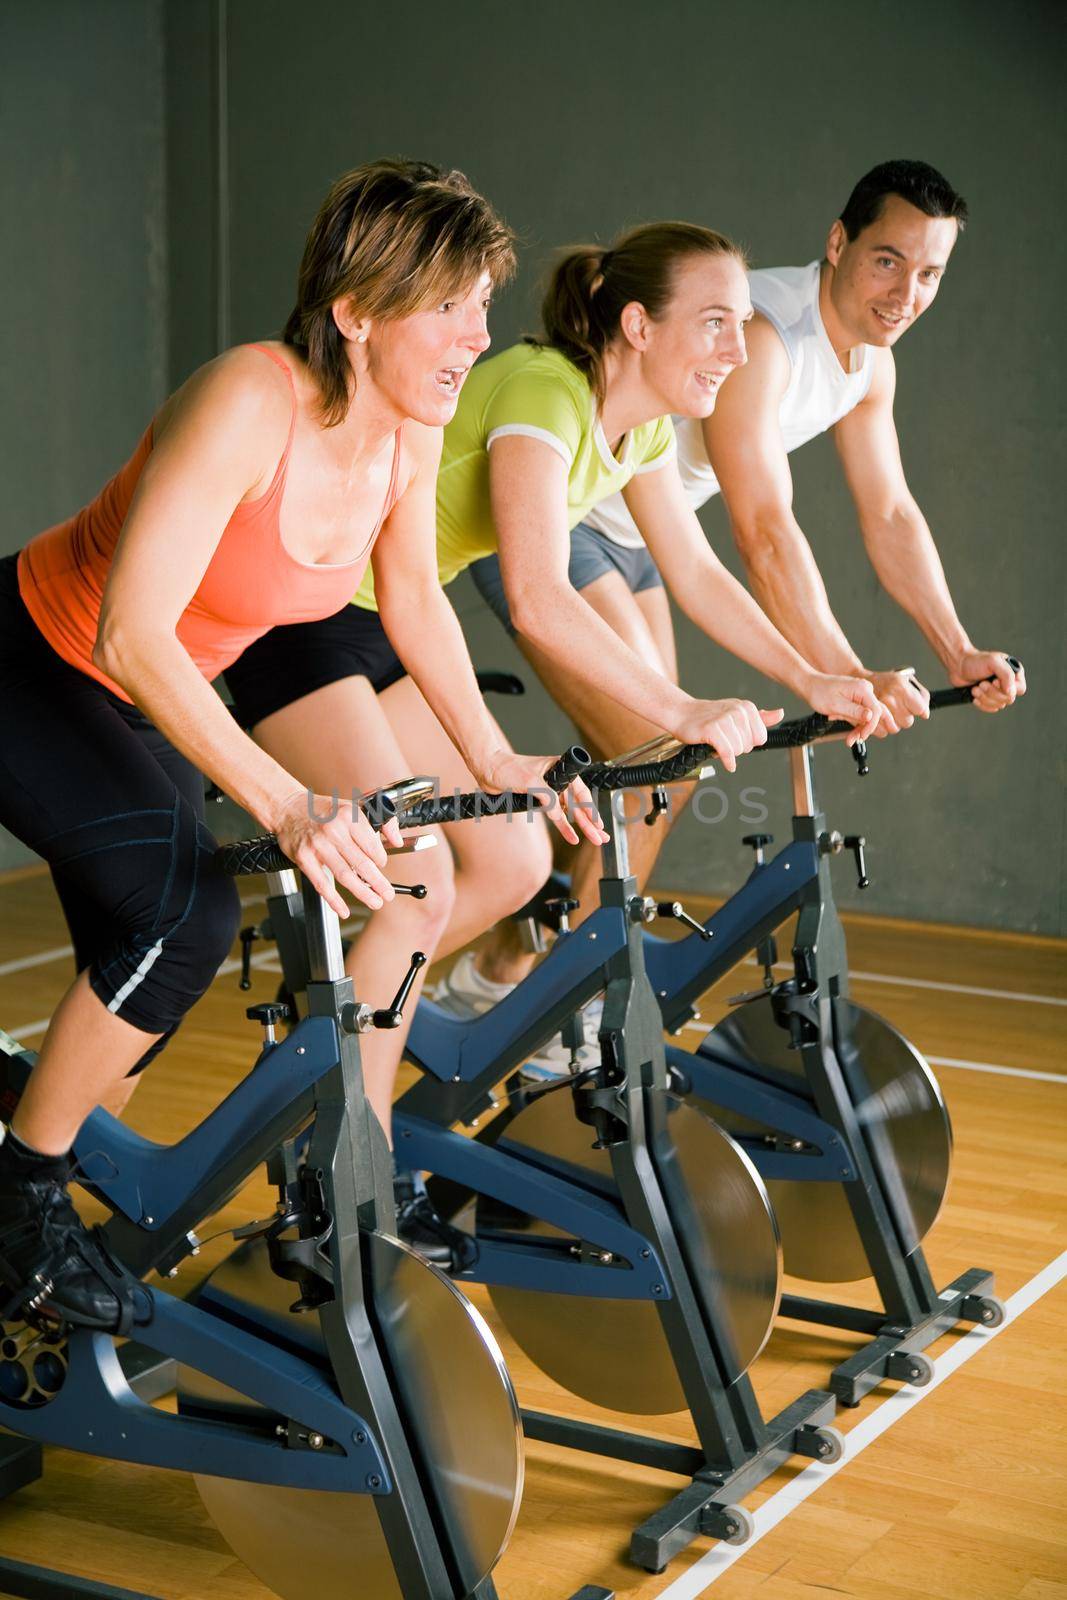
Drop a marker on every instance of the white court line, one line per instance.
(949, 1061)
(956, 988)
(933, 983)
(700, 1577)
(267, 960)
(27, 1032)
(1001, 1072)
(61, 951)
(38, 960)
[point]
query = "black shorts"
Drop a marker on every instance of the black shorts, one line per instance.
(300, 657)
(117, 812)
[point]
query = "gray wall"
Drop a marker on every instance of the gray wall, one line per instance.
(84, 264)
(578, 121)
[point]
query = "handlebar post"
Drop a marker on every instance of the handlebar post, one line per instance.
(615, 855)
(326, 959)
(801, 767)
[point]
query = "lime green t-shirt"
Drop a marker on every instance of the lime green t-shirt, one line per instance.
(538, 393)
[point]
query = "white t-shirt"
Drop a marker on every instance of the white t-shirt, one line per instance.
(819, 393)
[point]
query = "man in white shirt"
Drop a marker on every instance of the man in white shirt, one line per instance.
(820, 356)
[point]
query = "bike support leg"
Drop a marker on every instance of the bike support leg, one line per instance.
(915, 1312)
(737, 1448)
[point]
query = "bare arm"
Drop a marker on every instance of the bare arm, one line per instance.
(900, 544)
(528, 488)
(425, 633)
(712, 597)
(744, 444)
(745, 447)
(215, 450)
(220, 444)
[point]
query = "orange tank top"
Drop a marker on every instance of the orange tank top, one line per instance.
(251, 585)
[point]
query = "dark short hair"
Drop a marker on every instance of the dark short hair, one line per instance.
(921, 185)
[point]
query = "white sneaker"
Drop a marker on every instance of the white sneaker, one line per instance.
(554, 1060)
(465, 993)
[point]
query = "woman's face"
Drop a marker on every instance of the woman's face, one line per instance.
(419, 362)
(690, 351)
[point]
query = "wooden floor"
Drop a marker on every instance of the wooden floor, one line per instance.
(962, 1498)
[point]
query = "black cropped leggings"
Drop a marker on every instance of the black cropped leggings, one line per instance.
(92, 786)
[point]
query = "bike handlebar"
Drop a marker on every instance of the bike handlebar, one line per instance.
(246, 857)
(791, 735)
(263, 854)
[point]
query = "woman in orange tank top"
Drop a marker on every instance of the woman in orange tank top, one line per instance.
(256, 497)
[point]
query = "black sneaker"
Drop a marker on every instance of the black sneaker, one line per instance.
(419, 1226)
(51, 1265)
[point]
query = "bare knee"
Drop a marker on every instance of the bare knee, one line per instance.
(435, 870)
(524, 862)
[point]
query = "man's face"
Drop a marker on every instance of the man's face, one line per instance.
(884, 280)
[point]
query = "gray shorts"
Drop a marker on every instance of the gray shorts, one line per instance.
(592, 554)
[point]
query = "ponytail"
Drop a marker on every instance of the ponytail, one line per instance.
(590, 286)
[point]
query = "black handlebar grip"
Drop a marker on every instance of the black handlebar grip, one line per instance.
(802, 730)
(648, 774)
(570, 764)
(247, 856)
(961, 696)
(466, 808)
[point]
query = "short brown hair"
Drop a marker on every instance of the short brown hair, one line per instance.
(591, 285)
(396, 237)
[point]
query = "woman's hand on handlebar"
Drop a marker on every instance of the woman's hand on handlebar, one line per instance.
(526, 775)
(902, 697)
(845, 699)
(731, 727)
(976, 665)
(323, 835)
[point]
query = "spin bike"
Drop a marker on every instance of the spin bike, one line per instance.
(628, 1244)
(328, 1376)
(840, 1114)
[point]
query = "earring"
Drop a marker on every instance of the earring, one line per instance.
(361, 338)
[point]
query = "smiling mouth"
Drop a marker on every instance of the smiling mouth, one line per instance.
(449, 379)
(709, 380)
(889, 319)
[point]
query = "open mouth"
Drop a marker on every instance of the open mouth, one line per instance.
(709, 380)
(449, 379)
(889, 319)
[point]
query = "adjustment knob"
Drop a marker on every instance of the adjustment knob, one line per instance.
(758, 842)
(557, 913)
(268, 1014)
(857, 843)
(660, 804)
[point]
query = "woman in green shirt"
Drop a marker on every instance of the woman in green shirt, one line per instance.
(541, 433)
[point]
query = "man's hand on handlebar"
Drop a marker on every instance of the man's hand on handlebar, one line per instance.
(846, 699)
(526, 775)
(975, 665)
(323, 835)
(903, 698)
(731, 727)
